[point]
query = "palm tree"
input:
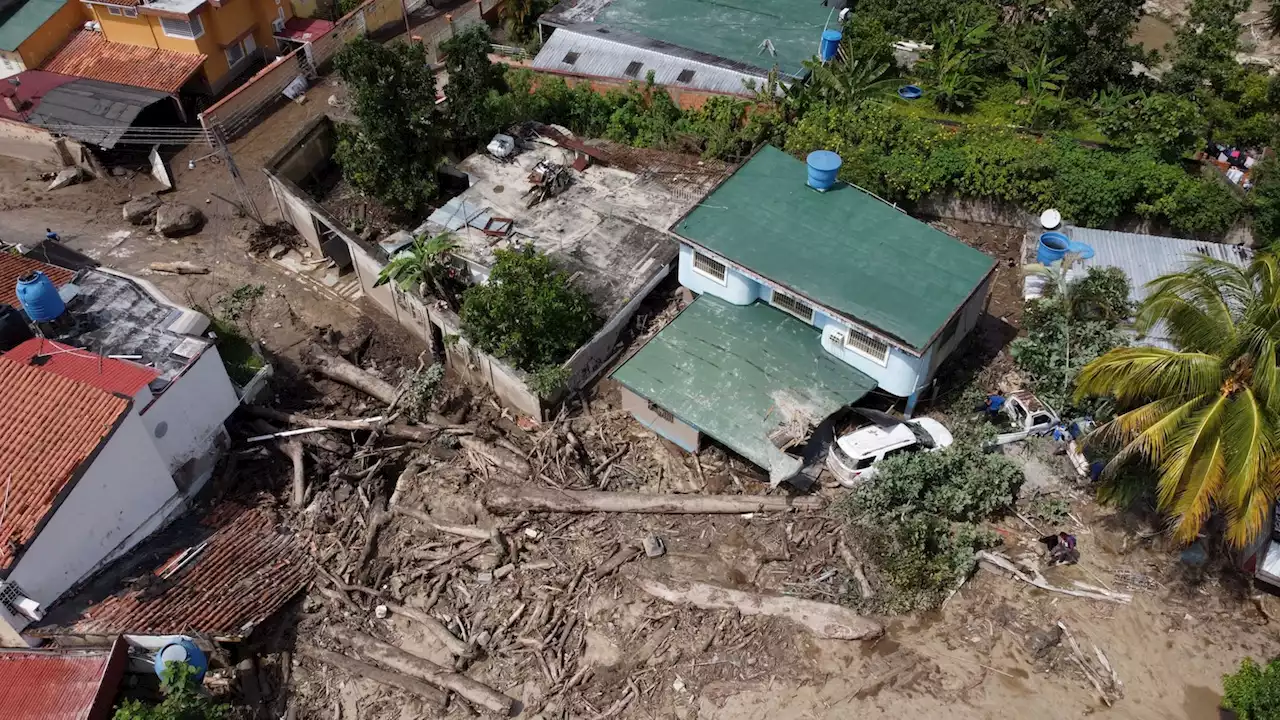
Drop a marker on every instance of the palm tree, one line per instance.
(425, 265)
(1042, 82)
(849, 81)
(1204, 417)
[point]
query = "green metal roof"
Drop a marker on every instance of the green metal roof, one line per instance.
(18, 25)
(843, 248)
(732, 29)
(738, 373)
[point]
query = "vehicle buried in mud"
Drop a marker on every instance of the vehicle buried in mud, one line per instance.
(860, 445)
(1022, 415)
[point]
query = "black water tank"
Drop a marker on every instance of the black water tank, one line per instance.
(13, 328)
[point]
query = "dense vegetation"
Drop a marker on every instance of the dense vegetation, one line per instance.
(1070, 326)
(529, 314)
(184, 699)
(1253, 692)
(918, 522)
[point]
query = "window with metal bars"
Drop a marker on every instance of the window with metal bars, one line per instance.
(710, 267)
(187, 29)
(864, 344)
(662, 412)
(793, 305)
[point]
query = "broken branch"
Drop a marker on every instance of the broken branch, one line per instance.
(990, 559)
(509, 500)
(386, 677)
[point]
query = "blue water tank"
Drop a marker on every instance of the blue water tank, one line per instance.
(830, 44)
(823, 166)
(39, 297)
(1053, 245)
(183, 650)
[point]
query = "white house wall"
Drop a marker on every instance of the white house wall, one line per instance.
(123, 496)
(901, 375)
(185, 421)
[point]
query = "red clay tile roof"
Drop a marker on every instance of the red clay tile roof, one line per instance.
(88, 54)
(60, 685)
(13, 267)
(122, 3)
(246, 570)
(49, 425)
(112, 375)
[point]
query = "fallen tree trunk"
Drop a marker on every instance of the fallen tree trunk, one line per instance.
(416, 433)
(410, 664)
(337, 368)
(822, 619)
(355, 667)
(991, 560)
(293, 449)
(435, 627)
(179, 268)
(468, 531)
(499, 456)
(511, 500)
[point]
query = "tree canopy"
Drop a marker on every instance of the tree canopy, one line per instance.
(1205, 416)
(393, 152)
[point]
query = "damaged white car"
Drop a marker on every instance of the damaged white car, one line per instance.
(855, 454)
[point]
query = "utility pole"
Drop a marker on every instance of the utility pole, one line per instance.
(242, 190)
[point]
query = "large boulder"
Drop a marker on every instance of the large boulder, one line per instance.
(139, 211)
(178, 219)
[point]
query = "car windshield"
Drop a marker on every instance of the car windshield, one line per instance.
(922, 436)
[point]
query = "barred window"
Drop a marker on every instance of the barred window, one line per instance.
(662, 412)
(710, 267)
(793, 305)
(871, 347)
(188, 29)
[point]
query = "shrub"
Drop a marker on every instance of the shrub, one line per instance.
(527, 312)
(182, 699)
(916, 521)
(1253, 691)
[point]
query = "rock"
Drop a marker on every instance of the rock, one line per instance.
(178, 219)
(65, 177)
(1042, 642)
(117, 172)
(380, 612)
(653, 546)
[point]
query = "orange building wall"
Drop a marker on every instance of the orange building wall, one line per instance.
(50, 36)
(126, 30)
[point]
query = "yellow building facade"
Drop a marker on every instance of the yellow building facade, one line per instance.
(35, 30)
(229, 33)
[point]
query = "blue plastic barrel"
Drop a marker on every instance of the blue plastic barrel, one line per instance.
(830, 44)
(823, 166)
(39, 297)
(185, 651)
(910, 92)
(1053, 245)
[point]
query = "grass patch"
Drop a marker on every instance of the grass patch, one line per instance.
(238, 356)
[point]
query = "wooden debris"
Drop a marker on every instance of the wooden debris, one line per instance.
(624, 555)
(355, 667)
(468, 531)
(855, 567)
(178, 268)
(509, 500)
(412, 665)
(338, 369)
(822, 619)
(293, 449)
(435, 627)
(499, 456)
(993, 561)
(403, 431)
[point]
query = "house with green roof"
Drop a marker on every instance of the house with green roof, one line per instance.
(807, 300)
(31, 30)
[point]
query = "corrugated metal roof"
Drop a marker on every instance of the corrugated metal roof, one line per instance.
(230, 581)
(61, 684)
(739, 373)
(610, 57)
(49, 425)
(13, 267)
(1143, 258)
(843, 249)
(85, 103)
(109, 374)
(89, 55)
(24, 21)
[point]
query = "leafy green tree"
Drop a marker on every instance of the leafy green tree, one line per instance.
(1253, 691)
(1166, 124)
(183, 699)
(1073, 323)
(1205, 46)
(1204, 416)
(474, 84)
(527, 313)
(521, 18)
(393, 152)
(850, 82)
(1266, 202)
(1093, 36)
(1042, 81)
(917, 521)
(426, 266)
(951, 68)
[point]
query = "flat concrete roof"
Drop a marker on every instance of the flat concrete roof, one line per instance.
(608, 228)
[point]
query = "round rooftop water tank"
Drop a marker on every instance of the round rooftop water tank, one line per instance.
(183, 651)
(823, 166)
(39, 297)
(830, 44)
